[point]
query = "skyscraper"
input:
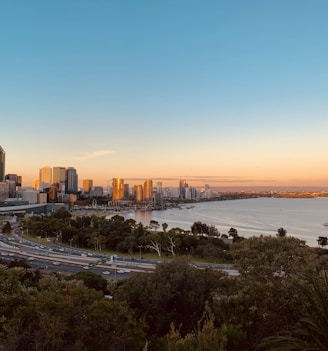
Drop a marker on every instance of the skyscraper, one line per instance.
(71, 181)
(58, 177)
(45, 177)
(138, 192)
(118, 189)
(148, 190)
(2, 164)
(182, 188)
(87, 185)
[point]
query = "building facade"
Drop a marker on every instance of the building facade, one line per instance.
(138, 192)
(45, 177)
(87, 185)
(58, 177)
(2, 164)
(148, 190)
(118, 189)
(71, 181)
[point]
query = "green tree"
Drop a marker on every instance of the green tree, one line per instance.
(267, 293)
(68, 316)
(281, 233)
(91, 280)
(6, 228)
(174, 292)
(310, 332)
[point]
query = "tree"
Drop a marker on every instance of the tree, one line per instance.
(91, 280)
(68, 316)
(281, 233)
(267, 298)
(155, 242)
(175, 292)
(6, 229)
(322, 241)
(171, 246)
(164, 226)
(310, 332)
(153, 224)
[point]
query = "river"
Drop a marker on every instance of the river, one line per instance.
(302, 218)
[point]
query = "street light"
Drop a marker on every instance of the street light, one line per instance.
(140, 247)
(70, 247)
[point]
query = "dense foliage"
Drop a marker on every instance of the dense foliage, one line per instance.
(128, 236)
(278, 302)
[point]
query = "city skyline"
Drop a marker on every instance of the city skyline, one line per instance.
(214, 92)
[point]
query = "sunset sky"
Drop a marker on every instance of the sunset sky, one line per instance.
(219, 92)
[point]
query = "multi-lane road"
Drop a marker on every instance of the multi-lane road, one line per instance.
(54, 257)
(67, 260)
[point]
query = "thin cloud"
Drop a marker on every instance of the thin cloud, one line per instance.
(96, 154)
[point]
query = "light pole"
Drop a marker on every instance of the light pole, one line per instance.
(140, 247)
(70, 247)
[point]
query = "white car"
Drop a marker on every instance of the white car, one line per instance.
(106, 272)
(86, 267)
(124, 270)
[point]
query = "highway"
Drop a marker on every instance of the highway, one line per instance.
(55, 257)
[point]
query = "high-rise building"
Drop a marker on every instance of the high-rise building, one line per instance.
(87, 185)
(53, 194)
(126, 192)
(71, 181)
(15, 178)
(58, 177)
(182, 188)
(148, 190)
(2, 164)
(138, 192)
(118, 189)
(45, 177)
(4, 191)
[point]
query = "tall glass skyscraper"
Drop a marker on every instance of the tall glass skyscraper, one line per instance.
(58, 177)
(45, 177)
(71, 181)
(2, 164)
(118, 189)
(148, 190)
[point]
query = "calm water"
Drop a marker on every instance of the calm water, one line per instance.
(302, 218)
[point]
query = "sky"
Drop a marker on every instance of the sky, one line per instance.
(219, 92)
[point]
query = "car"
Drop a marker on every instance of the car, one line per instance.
(86, 267)
(124, 270)
(55, 263)
(105, 272)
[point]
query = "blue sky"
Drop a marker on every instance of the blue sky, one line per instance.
(232, 90)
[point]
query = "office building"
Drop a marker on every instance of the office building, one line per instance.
(53, 194)
(148, 190)
(2, 164)
(45, 177)
(87, 185)
(97, 191)
(138, 190)
(71, 181)
(4, 191)
(182, 188)
(118, 189)
(58, 177)
(126, 192)
(15, 182)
